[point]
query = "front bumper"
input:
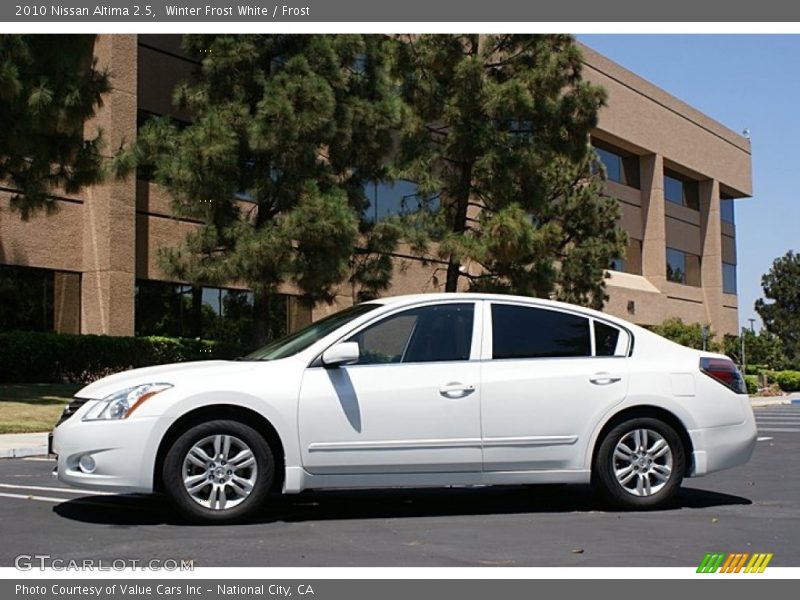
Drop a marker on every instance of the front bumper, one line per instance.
(718, 448)
(120, 451)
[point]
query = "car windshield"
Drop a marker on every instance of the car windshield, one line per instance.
(303, 338)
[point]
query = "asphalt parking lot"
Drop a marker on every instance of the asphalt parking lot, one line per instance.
(755, 508)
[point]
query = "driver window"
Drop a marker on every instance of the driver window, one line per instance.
(425, 334)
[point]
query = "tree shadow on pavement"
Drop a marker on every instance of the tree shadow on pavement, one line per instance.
(132, 510)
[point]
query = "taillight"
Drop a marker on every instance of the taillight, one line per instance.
(724, 371)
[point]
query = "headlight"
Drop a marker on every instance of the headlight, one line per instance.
(121, 404)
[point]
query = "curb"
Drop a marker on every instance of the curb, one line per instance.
(759, 402)
(23, 452)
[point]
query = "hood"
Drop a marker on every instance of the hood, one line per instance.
(171, 373)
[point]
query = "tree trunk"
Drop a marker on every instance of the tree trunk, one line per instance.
(261, 317)
(459, 225)
(196, 316)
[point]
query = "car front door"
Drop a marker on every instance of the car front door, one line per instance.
(549, 378)
(411, 404)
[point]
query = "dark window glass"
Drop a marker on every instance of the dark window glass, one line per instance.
(673, 189)
(522, 332)
(683, 267)
(728, 278)
(385, 199)
(676, 266)
(726, 209)
(621, 166)
(680, 190)
(612, 163)
(605, 339)
(180, 310)
(425, 334)
(617, 264)
(26, 299)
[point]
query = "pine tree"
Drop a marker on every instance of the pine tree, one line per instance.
(49, 87)
(286, 130)
(781, 285)
(501, 137)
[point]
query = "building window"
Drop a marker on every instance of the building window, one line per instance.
(26, 299)
(621, 167)
(681, 190)
(683, 267)
(726, 208)
(728, 278)
(387, 198)
(632, 262)
(225, 315)
(39, 300)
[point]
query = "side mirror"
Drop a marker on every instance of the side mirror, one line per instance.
(345, 353)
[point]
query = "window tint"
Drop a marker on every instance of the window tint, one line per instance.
(680, 190)
(606, 338)
(726, 209)
(425, 334)
(728, 278)
(683, 267)
(621, 167)
(522, 332)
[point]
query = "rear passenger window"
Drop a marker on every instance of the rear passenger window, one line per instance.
(606, 339)
(523, 332)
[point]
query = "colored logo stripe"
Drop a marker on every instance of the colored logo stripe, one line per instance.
(734, 562)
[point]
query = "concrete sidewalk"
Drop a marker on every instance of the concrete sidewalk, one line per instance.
(18, 445)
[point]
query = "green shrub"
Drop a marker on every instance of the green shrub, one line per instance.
(788, 381)
(751, 381)
(44, 357)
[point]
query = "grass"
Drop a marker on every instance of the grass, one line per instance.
(33, 407)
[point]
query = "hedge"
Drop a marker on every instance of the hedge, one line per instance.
(751, 381)
(788, 381)
(44, 357)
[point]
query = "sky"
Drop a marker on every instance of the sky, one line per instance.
(742, 81)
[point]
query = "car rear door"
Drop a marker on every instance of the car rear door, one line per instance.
(548, 377)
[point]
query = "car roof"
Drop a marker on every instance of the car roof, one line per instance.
(434, 297)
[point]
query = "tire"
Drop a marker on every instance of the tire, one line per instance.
(630, 479)
(227, 487)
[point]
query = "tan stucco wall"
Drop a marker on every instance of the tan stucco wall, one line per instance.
(111, 233)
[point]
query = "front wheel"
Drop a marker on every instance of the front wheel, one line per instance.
(639, 464)
(218, 471)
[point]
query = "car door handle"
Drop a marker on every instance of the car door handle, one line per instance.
(603, 379)
(456, 389)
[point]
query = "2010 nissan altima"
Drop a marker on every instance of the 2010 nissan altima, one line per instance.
(423, 390)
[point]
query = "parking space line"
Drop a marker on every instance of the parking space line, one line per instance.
(764, 439)
(779, 429)
(56, 489)
(37, 498)
(39, 459)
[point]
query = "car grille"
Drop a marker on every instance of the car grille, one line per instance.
(71, 409)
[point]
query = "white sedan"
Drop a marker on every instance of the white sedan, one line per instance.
(423, 390)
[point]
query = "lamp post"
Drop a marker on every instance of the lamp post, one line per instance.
(752, 327)
(744, 361)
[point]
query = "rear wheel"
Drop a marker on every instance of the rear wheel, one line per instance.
(639, 464)
(218, 471)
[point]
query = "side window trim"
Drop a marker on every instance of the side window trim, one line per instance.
(488, 349)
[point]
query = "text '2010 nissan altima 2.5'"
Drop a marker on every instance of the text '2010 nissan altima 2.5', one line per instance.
(425, 390)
